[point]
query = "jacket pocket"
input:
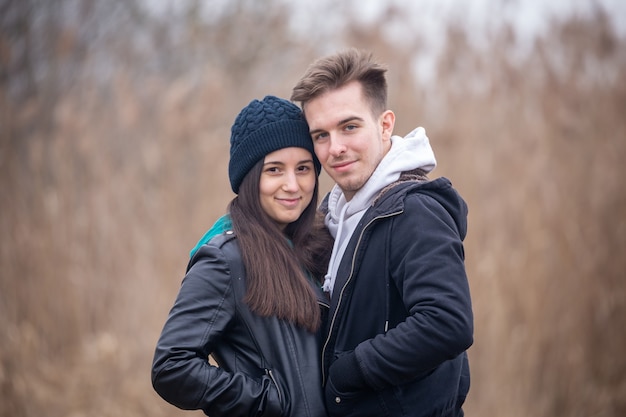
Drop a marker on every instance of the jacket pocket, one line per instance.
(352, 404)
(276, 396)
(269, 373)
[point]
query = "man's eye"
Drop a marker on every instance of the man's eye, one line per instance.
(351, 127)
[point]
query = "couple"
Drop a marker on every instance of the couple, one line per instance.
(376, 323)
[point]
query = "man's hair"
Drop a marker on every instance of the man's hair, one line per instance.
(335, 71)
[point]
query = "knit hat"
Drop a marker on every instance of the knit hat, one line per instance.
(263, 127)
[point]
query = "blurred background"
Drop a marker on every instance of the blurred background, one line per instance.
(114, 130)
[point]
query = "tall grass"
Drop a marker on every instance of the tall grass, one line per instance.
(113, 159)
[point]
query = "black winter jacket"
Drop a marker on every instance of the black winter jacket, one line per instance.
(401, 318)
(267, 367)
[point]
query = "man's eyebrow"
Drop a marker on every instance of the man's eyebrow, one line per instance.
(349, 119)
(339, 123)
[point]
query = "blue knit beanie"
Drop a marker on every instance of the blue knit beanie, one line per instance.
(263, 127)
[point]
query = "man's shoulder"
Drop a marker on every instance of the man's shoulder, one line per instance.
(433, 199)
(400, 190)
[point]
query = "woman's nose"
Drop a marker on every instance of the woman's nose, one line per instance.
(291, 182)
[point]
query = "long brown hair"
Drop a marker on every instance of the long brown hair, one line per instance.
(279, 264)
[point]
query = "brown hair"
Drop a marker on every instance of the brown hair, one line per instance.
(335, 71)
(279, 264)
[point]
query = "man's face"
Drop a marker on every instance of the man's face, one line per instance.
(349, 140)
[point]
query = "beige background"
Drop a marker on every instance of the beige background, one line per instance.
(114, 128)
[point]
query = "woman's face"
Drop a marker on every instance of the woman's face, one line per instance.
(287, 183)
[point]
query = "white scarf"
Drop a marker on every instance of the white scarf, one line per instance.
(406, 154)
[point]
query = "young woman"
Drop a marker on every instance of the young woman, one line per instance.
(251, 298)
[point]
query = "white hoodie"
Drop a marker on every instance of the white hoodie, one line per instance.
(406, 154)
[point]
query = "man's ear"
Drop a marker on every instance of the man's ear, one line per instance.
(387, 121)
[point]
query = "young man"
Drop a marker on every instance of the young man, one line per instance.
(401, 316)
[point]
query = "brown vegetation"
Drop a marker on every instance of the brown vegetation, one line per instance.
(114, 131)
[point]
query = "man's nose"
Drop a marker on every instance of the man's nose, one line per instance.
(337, 146)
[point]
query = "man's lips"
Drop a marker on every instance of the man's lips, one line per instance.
(341, 166)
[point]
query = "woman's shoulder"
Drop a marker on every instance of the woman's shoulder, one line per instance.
(222, 225)
(222, 247)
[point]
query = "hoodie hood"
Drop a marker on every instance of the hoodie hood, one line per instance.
(406, 154)
(440, 190)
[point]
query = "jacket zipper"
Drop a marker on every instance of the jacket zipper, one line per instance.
(332, 322)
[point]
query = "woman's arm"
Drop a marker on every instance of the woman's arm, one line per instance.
(202, 313)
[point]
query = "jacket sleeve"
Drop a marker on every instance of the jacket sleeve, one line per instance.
(181, 372)
(427, 266)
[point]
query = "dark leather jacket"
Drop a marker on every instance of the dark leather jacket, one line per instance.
(401, 316)
(267, 367)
